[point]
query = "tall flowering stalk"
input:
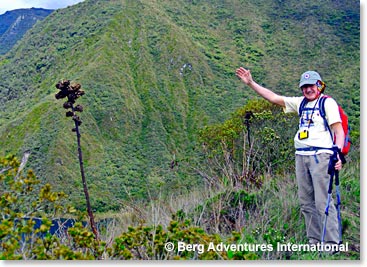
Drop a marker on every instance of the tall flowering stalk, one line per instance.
(72, 92)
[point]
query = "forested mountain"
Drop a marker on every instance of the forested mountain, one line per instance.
(155, 72)
(14, 24)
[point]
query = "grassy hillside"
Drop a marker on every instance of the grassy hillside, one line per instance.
(156, 72)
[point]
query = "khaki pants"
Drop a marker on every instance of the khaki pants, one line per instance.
(313, 183)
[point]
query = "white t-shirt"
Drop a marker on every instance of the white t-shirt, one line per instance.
(312, 121)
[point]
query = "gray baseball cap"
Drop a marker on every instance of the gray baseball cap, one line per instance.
(309, 77)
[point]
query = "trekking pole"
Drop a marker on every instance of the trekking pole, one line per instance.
(338, 203)
(327, 207)
(331, 172)
(338, 199)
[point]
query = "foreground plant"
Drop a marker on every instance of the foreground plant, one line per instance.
(72, 92)
(23, 200)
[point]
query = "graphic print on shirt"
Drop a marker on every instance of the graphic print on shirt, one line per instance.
(306, 120)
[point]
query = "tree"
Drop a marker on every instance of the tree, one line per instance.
(257, 139)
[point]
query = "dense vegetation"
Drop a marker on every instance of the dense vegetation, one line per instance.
(166, 124)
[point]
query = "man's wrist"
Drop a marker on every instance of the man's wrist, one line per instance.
(251, 83)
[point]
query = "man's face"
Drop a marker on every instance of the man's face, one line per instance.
(310, 91)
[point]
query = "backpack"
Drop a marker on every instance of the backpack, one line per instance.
(343, 117)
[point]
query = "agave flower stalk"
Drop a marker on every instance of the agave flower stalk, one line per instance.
(72, 92)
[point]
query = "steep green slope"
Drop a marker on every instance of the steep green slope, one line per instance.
(154, 73)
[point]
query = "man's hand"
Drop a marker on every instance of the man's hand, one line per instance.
(244, 75)
(338, 165)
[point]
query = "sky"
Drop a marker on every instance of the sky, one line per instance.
(6, 5)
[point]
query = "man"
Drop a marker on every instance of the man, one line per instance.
(311, 160)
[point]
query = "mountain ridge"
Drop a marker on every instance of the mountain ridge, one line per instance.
(15, 23)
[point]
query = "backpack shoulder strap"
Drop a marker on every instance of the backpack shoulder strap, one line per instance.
(322, 106)
(302, 106)
(323, 113)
